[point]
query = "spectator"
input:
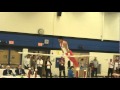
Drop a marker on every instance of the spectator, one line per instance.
(39, 66)
(20, 71)
(62, 67)
(48, 67)
(27, 62)
(70, 72)
(110, 69)
(95, 64)
(7, 71)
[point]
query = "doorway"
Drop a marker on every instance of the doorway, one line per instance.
(4, 56)
(15, 58)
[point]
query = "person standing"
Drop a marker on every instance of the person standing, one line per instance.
(33, 61)
(62, 67)
(110, 69)
(27, 62)
(91, 70)
(70, 72)
(39, 66)
(95, 64)
(116, 64)
(119, 66)
(48, 67)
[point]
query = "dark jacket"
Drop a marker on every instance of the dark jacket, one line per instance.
(61, 64)
(19, 72)
(46, 64)
(69, 64)
(5, 72)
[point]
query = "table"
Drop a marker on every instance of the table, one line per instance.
(26, 71)
(115, 75)
(1, 71)
(17, 77)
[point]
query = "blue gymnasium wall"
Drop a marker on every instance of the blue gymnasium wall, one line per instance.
(74, 43)
(25, 40)
(91, 45)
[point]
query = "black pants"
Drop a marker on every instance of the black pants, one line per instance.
(39, 71)
(110, 71)
(61, 69)
(26, 67)
(92, 73)
(60, 72)
(119, 70)
(48, 71)
(95, 72)
(33, 64)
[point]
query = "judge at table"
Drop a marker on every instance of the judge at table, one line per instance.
(20, 71)
(7, 71)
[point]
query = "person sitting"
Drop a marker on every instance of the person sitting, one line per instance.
(7, 71)
(20, 71)
(70, 72)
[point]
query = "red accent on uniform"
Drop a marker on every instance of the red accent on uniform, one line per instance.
(76, 64)
(72, 59)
